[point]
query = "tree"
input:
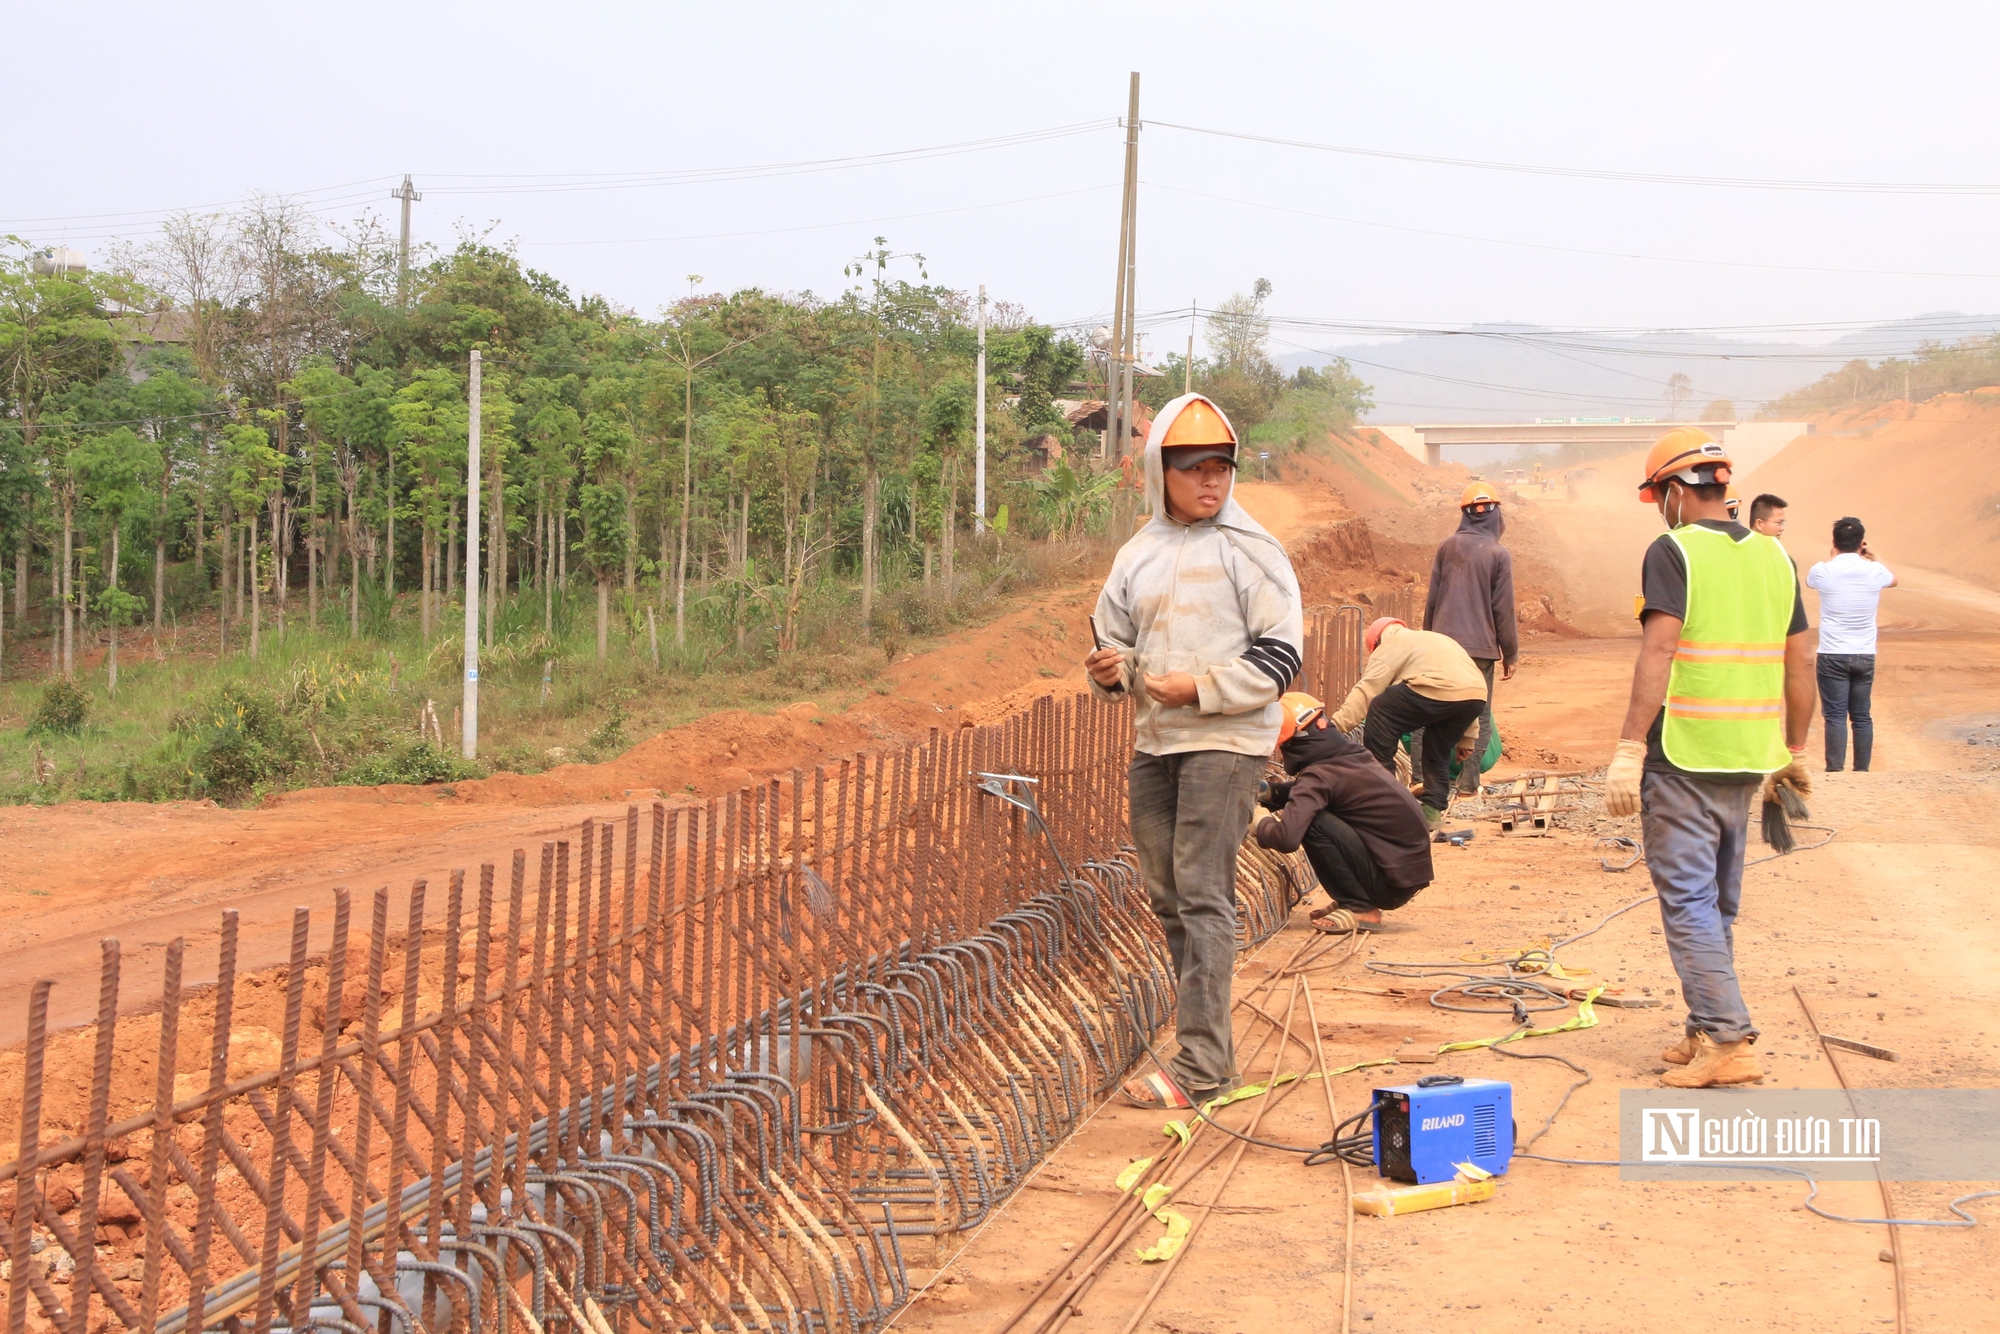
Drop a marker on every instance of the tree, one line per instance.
(1679, 390)
(431, 420)
(116, 470)
(1243, 379)
(55, 337)
(1720, 410)
(256, 472)
(168, 405)
(602, 506)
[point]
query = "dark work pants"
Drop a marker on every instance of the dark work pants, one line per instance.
(1696, 833)
(1345, 870)
(1189, 814)
(1400, 710)
(1846, 685)
(1468, 777)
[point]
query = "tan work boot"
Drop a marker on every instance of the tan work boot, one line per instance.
(1716, 1063)
(1683, 1051)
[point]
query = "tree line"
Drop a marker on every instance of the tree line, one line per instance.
(262, 417)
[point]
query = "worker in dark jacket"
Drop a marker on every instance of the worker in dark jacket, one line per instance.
(1362, 830)
(1471, 599)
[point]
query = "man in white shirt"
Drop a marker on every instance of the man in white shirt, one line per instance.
(1850, 583)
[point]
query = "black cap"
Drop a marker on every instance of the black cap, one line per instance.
(1182, 457)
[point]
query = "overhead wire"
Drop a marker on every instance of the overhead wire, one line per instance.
(1605, 174)
(1560, 249)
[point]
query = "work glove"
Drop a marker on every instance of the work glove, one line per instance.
(1790, 785)
(1783, 796)
(1621, 780)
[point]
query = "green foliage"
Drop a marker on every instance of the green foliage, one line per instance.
(1936, 368)
(238, 740)
(1072, 500)
(63, 708)
(412, 762)
(1720, 410)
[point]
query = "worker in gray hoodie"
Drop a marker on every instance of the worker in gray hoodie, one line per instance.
(1471, 600)
(1200, 625)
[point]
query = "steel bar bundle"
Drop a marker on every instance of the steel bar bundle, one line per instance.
(721, 1065)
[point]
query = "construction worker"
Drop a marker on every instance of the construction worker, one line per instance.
(1361, 829)
(1416, 679)
(1767, 515)
(1722, 697)
(1201, 627)
(1733, 502)
(1471, 599)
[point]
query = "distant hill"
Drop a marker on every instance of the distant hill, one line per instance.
(1513, 372)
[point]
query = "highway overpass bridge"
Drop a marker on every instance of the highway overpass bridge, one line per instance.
(1751, 442)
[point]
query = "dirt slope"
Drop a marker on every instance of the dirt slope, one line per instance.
(1925, 479)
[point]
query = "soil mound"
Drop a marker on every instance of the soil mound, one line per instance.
(1922, 477)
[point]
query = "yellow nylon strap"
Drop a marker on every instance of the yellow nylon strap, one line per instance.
(1154, 1197)
(1585, 1017)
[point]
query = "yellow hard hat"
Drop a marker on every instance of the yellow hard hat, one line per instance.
(1477, 493)
(1299, 709)
(1678, 455)
(1199, 422)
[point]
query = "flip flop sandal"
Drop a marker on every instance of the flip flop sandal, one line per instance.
(1341, 922)
(1155, 1092)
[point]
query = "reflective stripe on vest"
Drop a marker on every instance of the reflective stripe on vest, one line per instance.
(1726, 690)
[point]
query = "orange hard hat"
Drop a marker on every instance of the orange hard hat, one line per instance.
(1299, 709)
(1372, 636)
(1199, 422)
(1680, 455)
(1478, 493)
(1733, 501)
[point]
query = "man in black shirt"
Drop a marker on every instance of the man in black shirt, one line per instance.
(1722, 696)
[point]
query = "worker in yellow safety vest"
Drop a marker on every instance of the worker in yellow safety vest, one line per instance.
(1722, 697)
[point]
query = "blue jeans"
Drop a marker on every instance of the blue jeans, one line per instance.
(1696, 832)
(1189, 814)
(1846, 682)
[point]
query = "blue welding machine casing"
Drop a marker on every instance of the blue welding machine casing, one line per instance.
(1424, 1130)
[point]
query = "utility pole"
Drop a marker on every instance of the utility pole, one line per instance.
(979, 425)
(469, 737)
(1123, 339)
(1187, 367)
(408, 194)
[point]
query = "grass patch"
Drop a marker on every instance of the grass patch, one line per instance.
(317, 708)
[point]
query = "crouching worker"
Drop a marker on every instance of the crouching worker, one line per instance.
(1416, 679)
(1363, 831)
(1200, 626)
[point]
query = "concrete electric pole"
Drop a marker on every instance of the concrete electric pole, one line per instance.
(408, 194)
(979, 425)
(469, 738)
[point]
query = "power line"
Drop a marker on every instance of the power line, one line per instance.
(1567, 250)
(1603, 174)
(827, 226)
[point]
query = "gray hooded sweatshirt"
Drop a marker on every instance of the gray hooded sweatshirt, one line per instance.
(1215, 599)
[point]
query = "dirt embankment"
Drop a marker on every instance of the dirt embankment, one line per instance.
(1923, 477)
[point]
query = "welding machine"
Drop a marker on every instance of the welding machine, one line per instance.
(1424, 1130)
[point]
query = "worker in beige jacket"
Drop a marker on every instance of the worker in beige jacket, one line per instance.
(1416, 679)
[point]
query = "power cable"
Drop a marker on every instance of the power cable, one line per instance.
(1964, 1219)
(1602, 174)
(1561, 249)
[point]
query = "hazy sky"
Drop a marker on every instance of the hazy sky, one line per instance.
(136, 109)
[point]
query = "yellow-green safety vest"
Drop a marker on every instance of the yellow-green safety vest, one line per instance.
(1726, 691)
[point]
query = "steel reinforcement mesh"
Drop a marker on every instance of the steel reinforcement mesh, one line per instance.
(722, 1065)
